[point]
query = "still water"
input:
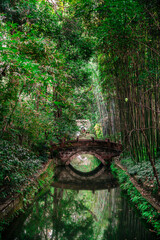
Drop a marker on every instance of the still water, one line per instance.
(68, 214)
(88, 207)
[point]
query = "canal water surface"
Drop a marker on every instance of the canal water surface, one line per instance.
(80, 208)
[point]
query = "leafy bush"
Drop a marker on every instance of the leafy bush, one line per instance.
(17, 166)
(127, 162)
(142, 170)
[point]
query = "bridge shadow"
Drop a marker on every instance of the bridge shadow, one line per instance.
(67, 177)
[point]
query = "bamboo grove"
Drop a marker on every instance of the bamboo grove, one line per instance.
(127, 35)
(136, 77)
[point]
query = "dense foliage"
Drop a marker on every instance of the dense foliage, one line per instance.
(67, 60)
(44, 85)
(44, 75)
(143, 173)
(18, 167)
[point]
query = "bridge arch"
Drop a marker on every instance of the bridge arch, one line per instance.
(79, 152)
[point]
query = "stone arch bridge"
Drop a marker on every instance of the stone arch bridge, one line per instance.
(104, 150)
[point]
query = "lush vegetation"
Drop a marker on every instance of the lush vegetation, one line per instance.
(148, 212)
(18, 165)
(66, 60)
(127, 40)
(62, 61)
(44, 75)
(44, 84)
(143, 174)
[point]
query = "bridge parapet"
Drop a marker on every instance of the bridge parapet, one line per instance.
(91, 143)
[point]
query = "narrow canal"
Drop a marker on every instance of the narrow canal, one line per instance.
(88, 207)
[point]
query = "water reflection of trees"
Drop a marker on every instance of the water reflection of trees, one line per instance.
(126, 224)
(71, 215)
(59, 215)
(69, 218)
(66, 214)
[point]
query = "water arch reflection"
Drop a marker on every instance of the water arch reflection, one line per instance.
(67, 177)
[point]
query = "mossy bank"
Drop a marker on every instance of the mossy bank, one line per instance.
(147, 211)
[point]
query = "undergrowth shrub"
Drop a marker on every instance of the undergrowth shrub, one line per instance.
(143, 170)
(17, 166)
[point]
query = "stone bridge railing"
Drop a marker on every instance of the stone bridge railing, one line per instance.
(89, 143)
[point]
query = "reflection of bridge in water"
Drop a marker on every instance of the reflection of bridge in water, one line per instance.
(67, 177)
